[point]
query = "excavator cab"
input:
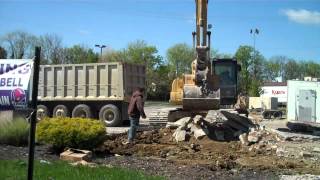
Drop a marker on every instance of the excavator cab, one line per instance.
(227, 71)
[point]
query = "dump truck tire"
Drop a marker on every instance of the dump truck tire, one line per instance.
(110, 115)
(266, 115)
(81, 111)
(42, 112)
(277, 115)
(61, 111)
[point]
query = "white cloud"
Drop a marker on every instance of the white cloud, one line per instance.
(84, 32)
(303, 16)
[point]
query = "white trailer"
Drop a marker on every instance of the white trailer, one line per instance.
(277, 90)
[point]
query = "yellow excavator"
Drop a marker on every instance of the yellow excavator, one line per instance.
(213, 83)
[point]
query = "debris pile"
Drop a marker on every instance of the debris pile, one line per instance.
(258, 139)
(217, 125)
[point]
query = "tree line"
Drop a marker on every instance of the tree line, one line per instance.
(161, 70)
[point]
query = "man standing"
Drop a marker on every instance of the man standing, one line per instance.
(135, 110)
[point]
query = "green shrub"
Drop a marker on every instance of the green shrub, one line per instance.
(14, 132)
(70, 132)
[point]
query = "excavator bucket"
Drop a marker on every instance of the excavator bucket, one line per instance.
(201, 103)
(194, 99)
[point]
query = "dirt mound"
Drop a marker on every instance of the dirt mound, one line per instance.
(210, 153)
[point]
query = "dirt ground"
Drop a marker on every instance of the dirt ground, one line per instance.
(155, 152)
(228, 159)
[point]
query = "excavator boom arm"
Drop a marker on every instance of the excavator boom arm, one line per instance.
(201, 22)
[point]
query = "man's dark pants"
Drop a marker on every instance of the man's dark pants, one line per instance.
(134, 123)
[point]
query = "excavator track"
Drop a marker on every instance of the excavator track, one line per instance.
(159, 118)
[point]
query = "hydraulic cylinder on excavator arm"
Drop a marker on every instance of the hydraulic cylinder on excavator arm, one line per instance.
(203, 94)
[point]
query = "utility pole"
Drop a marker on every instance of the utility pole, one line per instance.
(101, 47)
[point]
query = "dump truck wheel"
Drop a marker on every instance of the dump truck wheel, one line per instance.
(42, 112)
(277, 115)
(61, 111)
(266, 115)
(81, 111)
(110, 115)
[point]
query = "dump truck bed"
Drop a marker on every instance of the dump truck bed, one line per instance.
(96, 81)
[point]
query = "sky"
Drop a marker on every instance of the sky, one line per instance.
(286, 27)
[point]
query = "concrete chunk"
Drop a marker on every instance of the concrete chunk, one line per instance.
(183, 122)
(253, 137)
(180, 135)
(212, 116)
(197, 131)
(244, 139)
(305, 154)
(198, 119)
(172, 125)
(316, 149)
(281, 152)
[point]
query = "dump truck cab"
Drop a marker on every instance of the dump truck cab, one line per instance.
(227, 70)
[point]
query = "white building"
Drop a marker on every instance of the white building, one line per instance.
(276, 89)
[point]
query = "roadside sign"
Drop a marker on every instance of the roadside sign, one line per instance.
(14, 81)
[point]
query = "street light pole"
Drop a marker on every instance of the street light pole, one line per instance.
(101, 47)
(254, 32)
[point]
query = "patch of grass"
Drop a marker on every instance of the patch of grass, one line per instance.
(14, 132)
(59, 170)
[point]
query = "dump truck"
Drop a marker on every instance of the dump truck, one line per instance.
(97, 90)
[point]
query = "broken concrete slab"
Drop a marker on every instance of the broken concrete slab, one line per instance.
(244, 139)
(74, 155)
(281, 152)
(253, 137)
(305, 154)
(198, 119)
(219, 135)
(316, 149)
(300, 177)
(211, 116)
(197, 131)
(179, 135)
(293, 135)
(183, 122)
(316, 133)
(172, 125)
(236, 118)
(303, 126)
(237, 133)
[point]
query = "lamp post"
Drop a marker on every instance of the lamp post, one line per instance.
(101, 47)
(254, 32)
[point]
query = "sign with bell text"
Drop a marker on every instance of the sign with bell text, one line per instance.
(14, 81)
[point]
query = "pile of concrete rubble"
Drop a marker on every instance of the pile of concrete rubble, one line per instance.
(217, 125)
(260, 139)
(226, 126)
